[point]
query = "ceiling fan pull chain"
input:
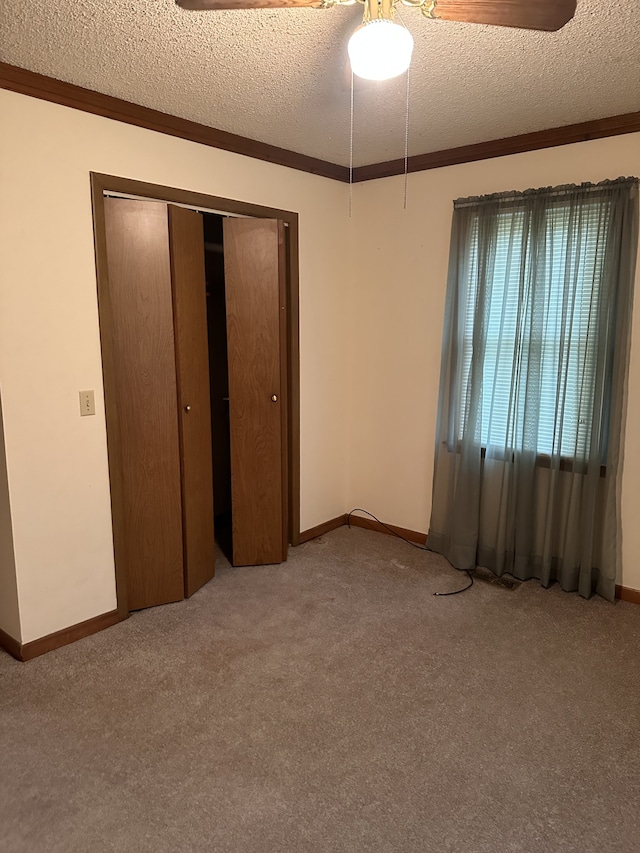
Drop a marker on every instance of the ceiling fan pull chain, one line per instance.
(406, 143)
(351, 151)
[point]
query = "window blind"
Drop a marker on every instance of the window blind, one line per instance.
(537, 363)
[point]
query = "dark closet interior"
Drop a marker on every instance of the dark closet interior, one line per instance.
(218, 381)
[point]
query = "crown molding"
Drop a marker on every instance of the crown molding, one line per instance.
(582, 132)
(40, 86)
(69, 95)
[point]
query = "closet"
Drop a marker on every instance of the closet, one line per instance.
(194, 309)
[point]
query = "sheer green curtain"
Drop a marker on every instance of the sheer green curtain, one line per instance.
(533, 382)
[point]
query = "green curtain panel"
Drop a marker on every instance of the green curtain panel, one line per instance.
(533, 384)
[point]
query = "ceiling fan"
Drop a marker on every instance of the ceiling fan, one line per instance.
(380, 49)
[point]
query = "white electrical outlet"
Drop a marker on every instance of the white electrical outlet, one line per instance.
(87, 403)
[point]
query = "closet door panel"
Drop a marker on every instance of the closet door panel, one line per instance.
(192, 367)
(141, 324)
(254, 279)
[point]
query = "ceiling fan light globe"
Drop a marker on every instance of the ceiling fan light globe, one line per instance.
(380, 50)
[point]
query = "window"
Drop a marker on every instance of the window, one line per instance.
(536, 360)
(535, 350)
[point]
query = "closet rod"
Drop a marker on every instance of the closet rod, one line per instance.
(115, 194)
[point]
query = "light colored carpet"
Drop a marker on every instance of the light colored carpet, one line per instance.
(332, 704)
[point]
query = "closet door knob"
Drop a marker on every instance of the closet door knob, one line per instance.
(274, 398)
(187, 409)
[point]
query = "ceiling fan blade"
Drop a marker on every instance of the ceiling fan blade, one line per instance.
(547, 15)
(214, 5)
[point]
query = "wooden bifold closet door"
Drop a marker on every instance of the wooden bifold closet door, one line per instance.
(255, 280)
(155, 262)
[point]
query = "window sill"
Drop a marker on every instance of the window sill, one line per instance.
(542, 461)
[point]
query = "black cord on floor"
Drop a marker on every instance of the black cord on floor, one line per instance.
(468, 572)
(386, 527)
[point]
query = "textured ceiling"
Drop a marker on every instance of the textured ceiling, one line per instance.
(281, 76)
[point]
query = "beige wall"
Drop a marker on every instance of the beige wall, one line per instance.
(399, 267)
(9, 611)
(49, 343)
